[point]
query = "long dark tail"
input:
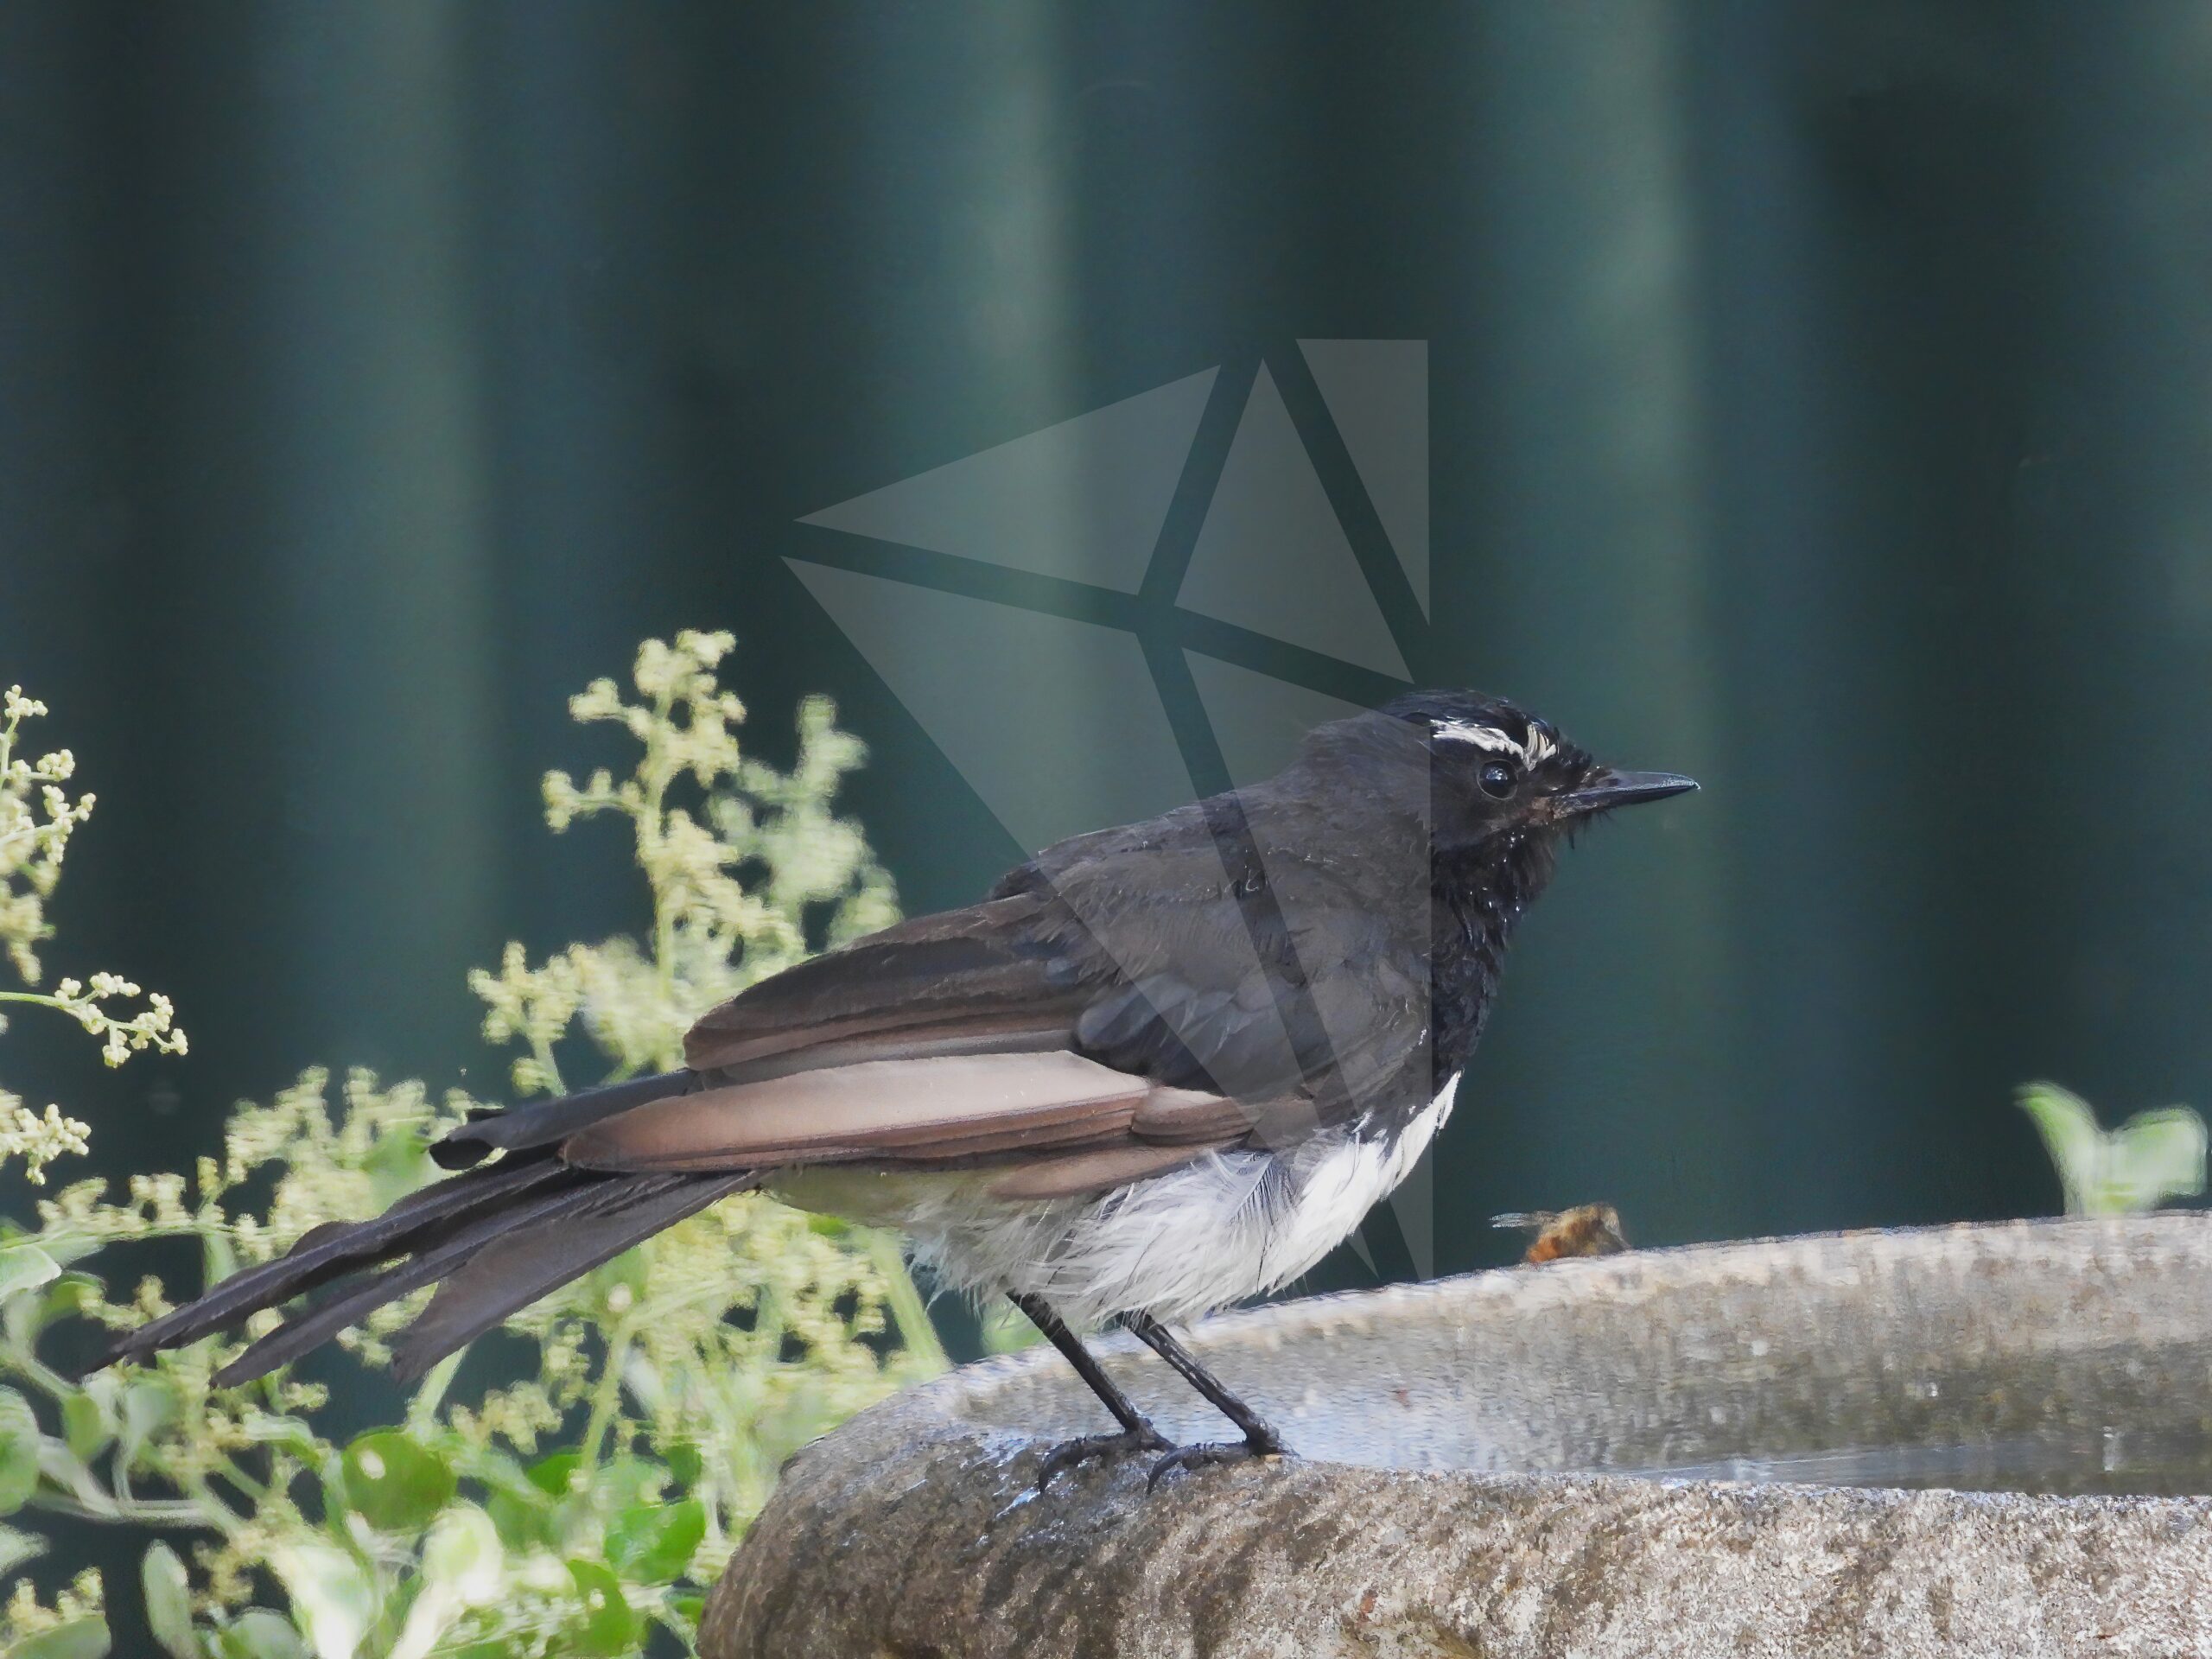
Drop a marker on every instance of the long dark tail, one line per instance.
(493, 1238)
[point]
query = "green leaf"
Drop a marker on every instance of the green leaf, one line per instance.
(554, 1476)
(653, 1543)
(28, 1316)
(59, 1465)
(607, 1627)
(66, 1247)
(19, 1448)
(686, 1464)
(80, 1638)
(218, 1260)
(617, 1286)
(151, 1404)
(522, 1523)
(330, 1480)
(2070, 1135)
(25, 1267)
(463, 1556)
(257, 1633)
(168, 1603)
(395, 1484)
(84, 1425)
(396, 1164)
(2153, 1157)
(332, 1594)
(620, 1482)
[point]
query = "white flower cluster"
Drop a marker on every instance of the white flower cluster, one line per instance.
(37, 817)
(38, 1140)
(585, 1504)
(732, 872)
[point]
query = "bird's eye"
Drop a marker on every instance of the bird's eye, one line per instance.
(1497, 779)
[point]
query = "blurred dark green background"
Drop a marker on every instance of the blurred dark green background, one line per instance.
(1821, 404)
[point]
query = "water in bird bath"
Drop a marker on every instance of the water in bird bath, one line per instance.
(1765, 1401)
(2072, 1361)
(2119, 1462)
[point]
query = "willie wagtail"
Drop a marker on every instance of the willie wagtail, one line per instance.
(1159, 1069)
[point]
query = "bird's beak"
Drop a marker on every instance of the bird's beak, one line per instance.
(1610, 789)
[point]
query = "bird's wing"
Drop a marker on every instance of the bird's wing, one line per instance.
(937, 1110)
(1261, 959)
(1125, 1002)
(1155, 989)
(960, 981)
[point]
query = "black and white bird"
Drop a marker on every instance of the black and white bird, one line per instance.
(1160, 1069)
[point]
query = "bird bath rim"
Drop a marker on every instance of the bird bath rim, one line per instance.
(1995, 1337)
(1464, 1517)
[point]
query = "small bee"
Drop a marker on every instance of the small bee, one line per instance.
(1587, 1230)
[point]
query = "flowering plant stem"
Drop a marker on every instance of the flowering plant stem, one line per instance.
(567, 1509)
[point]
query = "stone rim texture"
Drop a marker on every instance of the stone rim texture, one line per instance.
(1458, 1498)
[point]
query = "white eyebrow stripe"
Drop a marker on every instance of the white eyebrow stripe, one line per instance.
(1483, 737)
(1540, 748)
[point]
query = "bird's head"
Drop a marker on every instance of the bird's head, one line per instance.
(1495, 769)
(1495, 774)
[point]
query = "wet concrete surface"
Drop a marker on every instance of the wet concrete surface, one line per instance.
(1956, 1441)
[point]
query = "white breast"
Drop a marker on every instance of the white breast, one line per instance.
(1228, 1226)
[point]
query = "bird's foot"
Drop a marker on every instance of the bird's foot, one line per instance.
(1092, 1448)
(1263, 1442)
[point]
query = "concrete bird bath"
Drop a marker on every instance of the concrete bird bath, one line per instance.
(1969, 1440)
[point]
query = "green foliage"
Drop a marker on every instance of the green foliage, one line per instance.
(584, 1504)
(2153, 1157)
(37, 817)
(713, 931)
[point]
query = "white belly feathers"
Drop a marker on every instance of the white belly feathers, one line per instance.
(1229, 1225)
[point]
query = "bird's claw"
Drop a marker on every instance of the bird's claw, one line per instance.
(1198, 1457)
(1090, 1448)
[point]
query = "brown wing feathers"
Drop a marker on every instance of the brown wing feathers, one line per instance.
(950, 978)
(944, 1042)
(1082, 1174)
(942, 1109)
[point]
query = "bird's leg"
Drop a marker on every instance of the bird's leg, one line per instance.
(1137, 1433)
(1260, 1439)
